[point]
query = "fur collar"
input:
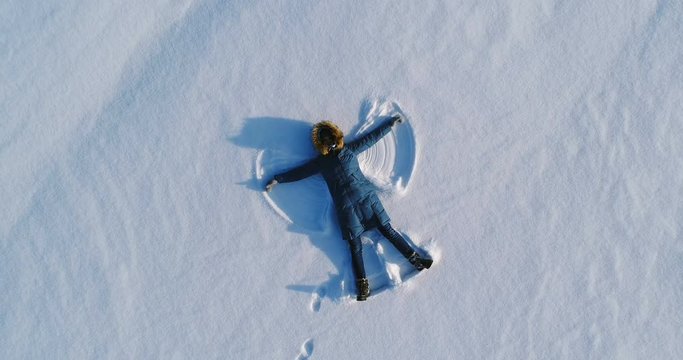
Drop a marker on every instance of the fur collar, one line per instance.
(336, 132)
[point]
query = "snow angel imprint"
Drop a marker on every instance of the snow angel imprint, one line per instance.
(357, 206)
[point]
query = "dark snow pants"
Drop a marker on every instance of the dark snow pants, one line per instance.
(388, 232)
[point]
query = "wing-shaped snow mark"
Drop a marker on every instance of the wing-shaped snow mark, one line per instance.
(282, 144)
(305, 203)
(389, 163)
(306, 350)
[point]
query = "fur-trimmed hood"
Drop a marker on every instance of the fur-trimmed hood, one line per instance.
(337, 134)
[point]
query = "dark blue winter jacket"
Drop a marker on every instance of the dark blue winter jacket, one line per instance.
(357, 205)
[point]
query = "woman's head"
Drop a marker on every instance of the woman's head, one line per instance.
(327, 137)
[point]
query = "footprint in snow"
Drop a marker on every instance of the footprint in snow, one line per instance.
(306, 350)
(316, 298)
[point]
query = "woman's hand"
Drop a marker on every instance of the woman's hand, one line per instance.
(396, 119)
(271, 185)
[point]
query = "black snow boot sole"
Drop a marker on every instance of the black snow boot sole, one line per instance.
(420, 263)
(363, 288)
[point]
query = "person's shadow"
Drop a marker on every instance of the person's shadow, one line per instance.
(282, 144)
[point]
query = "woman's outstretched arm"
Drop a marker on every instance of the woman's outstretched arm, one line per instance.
(295, 174)
(369, 139)
(299, 172)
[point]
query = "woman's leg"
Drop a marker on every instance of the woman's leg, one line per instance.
(402, 245)
(356, 247)
(362, 285)
(396, 239)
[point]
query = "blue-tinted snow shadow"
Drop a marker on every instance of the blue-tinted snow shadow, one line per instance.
(282, 144)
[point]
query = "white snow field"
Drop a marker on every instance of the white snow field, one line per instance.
(541, 164)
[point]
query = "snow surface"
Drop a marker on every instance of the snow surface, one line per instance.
(542, 165)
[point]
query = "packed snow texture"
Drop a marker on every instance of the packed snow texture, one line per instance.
(541, 164)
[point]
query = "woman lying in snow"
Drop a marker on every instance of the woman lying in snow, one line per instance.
(358, 207)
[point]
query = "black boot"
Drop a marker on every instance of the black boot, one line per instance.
(363, 288)
(419, 262)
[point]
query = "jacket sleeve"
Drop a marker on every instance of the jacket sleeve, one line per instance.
(369, 139)
(299, 172)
